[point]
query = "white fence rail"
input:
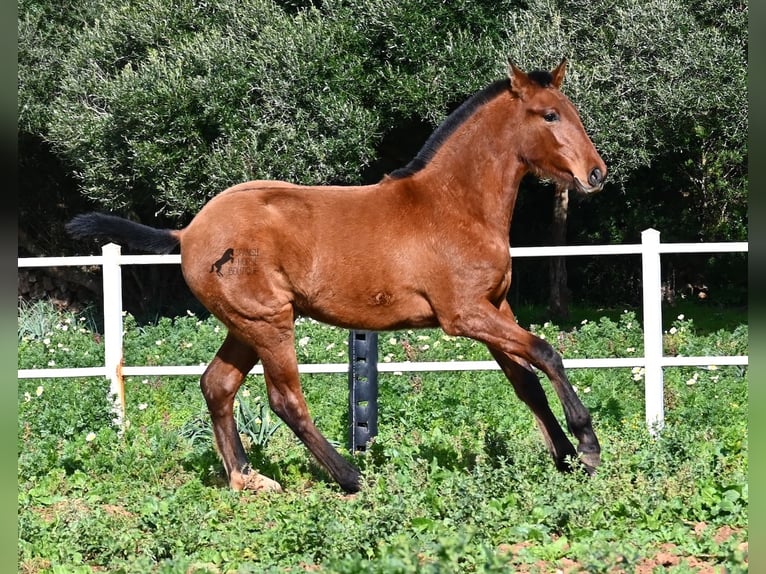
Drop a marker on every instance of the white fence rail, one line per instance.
(653, 360)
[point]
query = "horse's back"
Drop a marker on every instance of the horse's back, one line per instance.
(335, 253)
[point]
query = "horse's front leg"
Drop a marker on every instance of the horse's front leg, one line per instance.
(530, 391)
(219, 385)
(497, 328)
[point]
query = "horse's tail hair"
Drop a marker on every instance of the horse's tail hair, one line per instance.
(123, 232)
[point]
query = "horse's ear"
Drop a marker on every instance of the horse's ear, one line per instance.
(519, 79)
(558, 73)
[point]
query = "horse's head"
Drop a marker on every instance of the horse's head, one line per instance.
(553, 141)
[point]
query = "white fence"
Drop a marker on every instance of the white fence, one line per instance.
(653, 360)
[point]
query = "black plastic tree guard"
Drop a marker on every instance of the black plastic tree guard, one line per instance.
(362, 388)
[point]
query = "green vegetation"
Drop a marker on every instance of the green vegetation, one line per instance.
(458, 479)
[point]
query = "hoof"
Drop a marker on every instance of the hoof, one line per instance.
(254, 482)
(590, 461)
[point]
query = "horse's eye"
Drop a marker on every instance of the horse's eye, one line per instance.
(551, 117)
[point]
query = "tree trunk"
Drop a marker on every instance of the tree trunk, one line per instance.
(558, 301)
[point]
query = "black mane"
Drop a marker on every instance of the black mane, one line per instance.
(541, 77)
(448, 127)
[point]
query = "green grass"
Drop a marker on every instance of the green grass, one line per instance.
(457, 480)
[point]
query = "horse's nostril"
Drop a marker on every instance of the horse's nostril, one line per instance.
(595, 177)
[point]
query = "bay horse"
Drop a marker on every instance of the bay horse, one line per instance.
(427, 246)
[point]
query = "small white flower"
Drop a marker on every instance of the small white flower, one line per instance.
(216, 329)
(425, 347)
(245, 392)
(681, 317)
(304, 341)
(145, 381)
(392, 341)
(51, 363)
(586, 390)
(142, 406)
(631, 349)
(423, 338)
(91, 436)
(712, 367)
(584, 322)
(329, 347)
(542, 335)
(158, 342)
(46, 341)
(39, 390)
(27, 397)
(189, 313)
(387, 358)
(693, 380)
(673, 331)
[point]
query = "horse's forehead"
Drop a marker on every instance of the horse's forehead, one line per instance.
(552, 98)
(547, 96)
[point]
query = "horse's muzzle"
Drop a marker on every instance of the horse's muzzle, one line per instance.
(595, 182)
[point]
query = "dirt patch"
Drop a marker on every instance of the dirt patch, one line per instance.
(667, 555)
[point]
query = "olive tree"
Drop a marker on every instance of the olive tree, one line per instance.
(150, 108)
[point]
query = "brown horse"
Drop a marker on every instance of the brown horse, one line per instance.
(427, 246)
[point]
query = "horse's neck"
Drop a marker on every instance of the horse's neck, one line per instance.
(478, 170)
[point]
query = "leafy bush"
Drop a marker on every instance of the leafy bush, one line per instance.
(155, 107)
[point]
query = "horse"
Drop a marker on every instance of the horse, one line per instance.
(425, 247)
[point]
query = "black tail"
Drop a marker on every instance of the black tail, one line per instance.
(123, 232)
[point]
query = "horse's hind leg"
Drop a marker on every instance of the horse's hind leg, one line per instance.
(274, 342)
(530, 391)
(219, 385)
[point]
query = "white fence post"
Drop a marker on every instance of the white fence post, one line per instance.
(113, 356)
(652, 279)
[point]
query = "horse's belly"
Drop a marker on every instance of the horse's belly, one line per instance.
(374, 310)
